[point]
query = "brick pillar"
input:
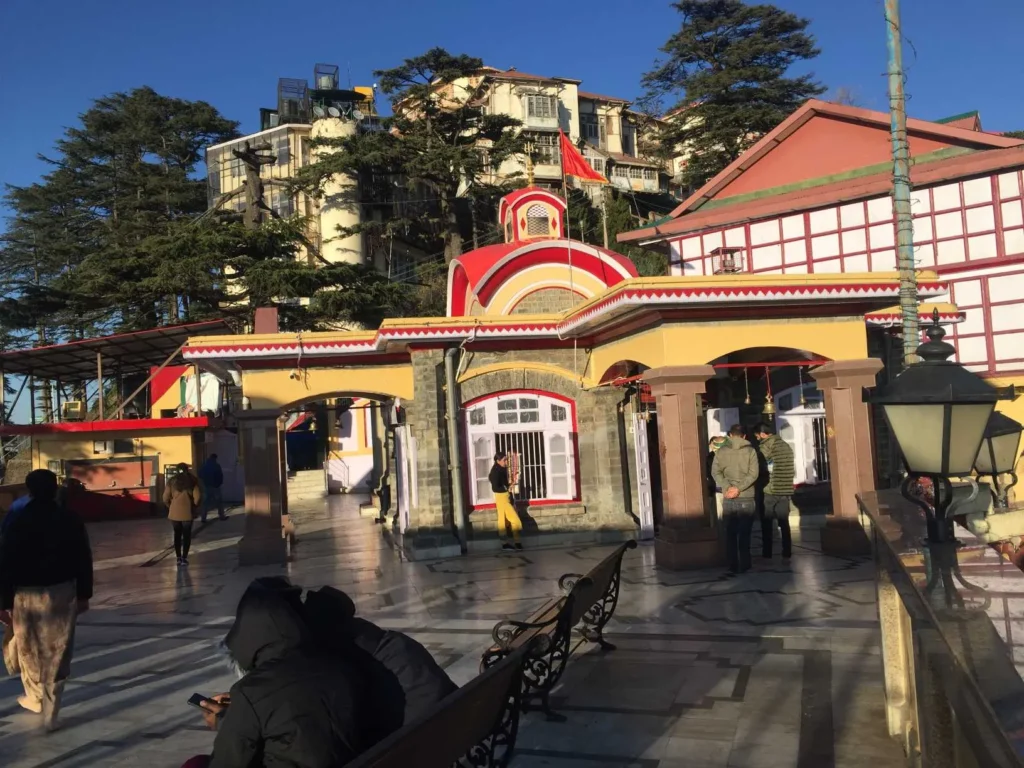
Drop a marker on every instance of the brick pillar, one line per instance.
(262, 542)
(431, 527)
(686, 538)
(849, 449)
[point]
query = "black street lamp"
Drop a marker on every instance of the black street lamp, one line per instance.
(937, 411)
(1000, 449)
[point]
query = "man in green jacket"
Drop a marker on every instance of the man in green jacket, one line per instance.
(778, 491)
(735, 471)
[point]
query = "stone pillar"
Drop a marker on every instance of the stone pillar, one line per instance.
(431, 528)
(262, 542)
(686, 538)
(848, 427)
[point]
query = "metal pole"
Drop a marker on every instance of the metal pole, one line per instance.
(32, 397)
(99, 381)
(199, 390)
(57, 416)
(604, 215)
(144, 384)
(901, 185)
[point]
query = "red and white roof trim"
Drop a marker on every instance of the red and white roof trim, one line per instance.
(893, 319)
(621, 299)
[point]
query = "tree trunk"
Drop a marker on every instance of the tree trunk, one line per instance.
(452, 236)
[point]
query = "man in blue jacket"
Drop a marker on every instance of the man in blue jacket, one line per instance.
(212, 477)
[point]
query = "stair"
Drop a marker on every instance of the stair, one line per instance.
(307, 485)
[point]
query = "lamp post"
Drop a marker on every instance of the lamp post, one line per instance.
(937, 411)
(1000, 449)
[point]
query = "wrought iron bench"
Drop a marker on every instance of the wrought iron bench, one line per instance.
(587, 606)
(475, 727)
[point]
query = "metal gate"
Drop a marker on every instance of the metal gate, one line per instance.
(644, 486)
(822, 469)
(527, 452)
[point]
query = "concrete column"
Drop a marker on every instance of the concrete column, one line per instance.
(262, 542)
(848, 427)
(686, 538)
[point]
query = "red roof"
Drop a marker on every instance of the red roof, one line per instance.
(483, 270)
(107, 425)
(811, 109)
(602, 97)
(924, 174)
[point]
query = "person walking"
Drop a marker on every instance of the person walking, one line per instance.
(507, 515)
(735, 470)
(778, 491)
(182, 497)
(212, 477)
(46, 581)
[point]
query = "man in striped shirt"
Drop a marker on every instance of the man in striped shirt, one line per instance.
(778, 491)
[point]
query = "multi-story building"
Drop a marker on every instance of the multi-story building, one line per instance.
(604, 125)
(303, 113)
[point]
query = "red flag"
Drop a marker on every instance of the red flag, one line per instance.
(574, 164)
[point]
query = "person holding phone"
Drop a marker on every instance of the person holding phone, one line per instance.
(293, 704)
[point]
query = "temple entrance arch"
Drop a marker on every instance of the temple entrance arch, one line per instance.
(772, 385)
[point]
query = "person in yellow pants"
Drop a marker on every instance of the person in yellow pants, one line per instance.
(507, 515)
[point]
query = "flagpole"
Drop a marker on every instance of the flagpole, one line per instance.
(565, 195)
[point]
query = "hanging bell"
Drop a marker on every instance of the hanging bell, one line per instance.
(803, 398)
(769, 407)
(746, 386)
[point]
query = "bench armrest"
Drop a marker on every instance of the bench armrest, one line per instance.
(568, 581)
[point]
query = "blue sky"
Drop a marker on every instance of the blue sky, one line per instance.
(59, 55)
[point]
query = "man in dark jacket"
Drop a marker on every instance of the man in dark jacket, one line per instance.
(212, 476)
(294, 705)
(405, 681)
(45, 582)
(778, 490)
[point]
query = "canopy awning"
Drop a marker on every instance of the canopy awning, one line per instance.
(122, 353)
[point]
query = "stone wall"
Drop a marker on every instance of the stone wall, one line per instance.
(431, 523)
(600, 474)
(546, 301)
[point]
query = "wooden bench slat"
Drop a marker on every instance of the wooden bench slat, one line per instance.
(482, 717)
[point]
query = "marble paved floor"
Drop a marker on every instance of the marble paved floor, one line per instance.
(778, 667)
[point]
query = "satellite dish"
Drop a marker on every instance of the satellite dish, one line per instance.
(333, 112)
(357, 115)
(318, 111)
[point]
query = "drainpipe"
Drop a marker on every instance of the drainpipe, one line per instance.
(627, 484)
(454, 458)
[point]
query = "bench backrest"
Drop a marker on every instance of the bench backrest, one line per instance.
(462, 720)
(594, 584)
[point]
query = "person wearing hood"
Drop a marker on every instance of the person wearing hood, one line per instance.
(405, 682)
(736, 470)
(293, 706)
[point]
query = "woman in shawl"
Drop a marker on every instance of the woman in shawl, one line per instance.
(182, 496)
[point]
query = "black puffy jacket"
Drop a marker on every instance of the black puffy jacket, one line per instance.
(405, 681)
(296, 707)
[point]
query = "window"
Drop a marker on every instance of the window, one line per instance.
(619, 170)
(635, 173)
(588, 127)
(650, 174)
(541, 106)
(536, 431)
(236, 168)
(304, 151)
(545, 148)
(597, 163)
(537, 220)
(281, 202)
(283, 149)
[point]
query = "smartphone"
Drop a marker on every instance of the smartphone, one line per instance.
(197, 700)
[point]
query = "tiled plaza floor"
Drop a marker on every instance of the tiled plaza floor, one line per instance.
(778, 667)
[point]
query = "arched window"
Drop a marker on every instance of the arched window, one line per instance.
(537, 220)
(537, 431)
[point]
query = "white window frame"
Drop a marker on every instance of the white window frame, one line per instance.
(559, 441)
(541, 105)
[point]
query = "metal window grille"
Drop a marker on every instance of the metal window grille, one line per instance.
(537, 220)
(530, 459)
(821, 466)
